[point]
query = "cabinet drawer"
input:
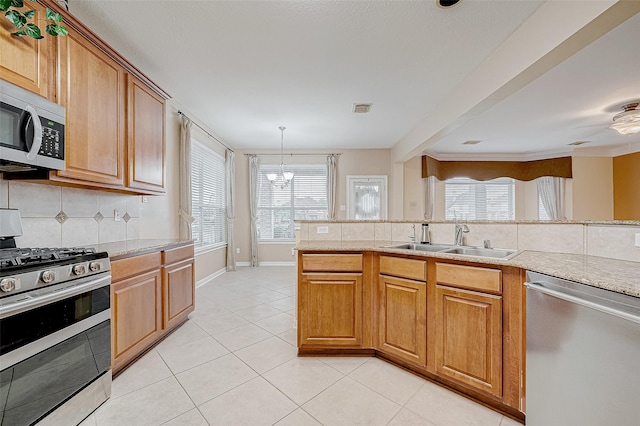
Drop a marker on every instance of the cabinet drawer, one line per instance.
(406, 268)
(332, 262)
(135, 265)
(471, 277)
(177, 254)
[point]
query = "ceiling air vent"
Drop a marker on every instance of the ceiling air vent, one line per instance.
(576, 143)
(471, 143)
(361, 108)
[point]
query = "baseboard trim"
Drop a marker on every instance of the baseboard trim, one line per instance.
(243, 263)
(277, 263)
(210, 277)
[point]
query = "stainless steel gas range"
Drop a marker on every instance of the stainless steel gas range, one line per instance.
(55, 334)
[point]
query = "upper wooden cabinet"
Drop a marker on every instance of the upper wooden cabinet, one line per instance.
(92, 89)
(115, 115)
(145, 137)
(26, 62)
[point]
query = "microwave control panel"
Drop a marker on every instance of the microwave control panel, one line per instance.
(52, 139)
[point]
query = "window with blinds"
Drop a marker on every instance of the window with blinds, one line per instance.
(477, 200)
(305, 198)
(208, 191)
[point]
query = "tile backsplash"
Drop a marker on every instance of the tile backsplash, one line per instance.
(616, 241)
(54, 216)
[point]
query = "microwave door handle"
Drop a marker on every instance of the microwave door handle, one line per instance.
(37, 134)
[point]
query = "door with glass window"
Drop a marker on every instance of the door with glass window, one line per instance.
(367, 197)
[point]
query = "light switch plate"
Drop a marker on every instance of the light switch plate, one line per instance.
(322, 229)
(637, 240)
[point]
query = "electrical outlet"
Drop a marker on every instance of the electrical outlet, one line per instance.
(293, 252)
(322, 229)
(116, 215)
(144, 199)
(637, 240)
(237, 250)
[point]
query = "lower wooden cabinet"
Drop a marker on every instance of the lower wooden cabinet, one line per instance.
(468, 338)
(136, 315)
(401, 325)
(457, 323)
(178, 286)
(330, 310)
(150, 295)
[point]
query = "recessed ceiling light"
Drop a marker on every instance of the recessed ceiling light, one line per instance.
(472, 142)
(447, 3)
(576, 143)
(361, 108)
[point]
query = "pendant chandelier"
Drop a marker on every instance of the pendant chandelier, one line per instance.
(282, 178)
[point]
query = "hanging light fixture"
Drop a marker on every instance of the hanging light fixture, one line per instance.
(627, 122)
(282, 178)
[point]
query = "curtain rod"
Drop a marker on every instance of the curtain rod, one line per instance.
(204, 130)
(291, 154)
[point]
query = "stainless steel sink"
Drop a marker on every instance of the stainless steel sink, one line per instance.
(421, 247)
(481, 252)
(462, 250)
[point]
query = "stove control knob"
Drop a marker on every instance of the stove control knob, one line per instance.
(79, 269)
(48, 276)
(94, 266)
(8, 284)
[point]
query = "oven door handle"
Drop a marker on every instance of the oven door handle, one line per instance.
(30, 302)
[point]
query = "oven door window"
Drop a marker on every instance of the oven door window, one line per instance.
(26, 327)
(32, 388)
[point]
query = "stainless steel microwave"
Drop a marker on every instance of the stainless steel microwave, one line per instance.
(31, 131)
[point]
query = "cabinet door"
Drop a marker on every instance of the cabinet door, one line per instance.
(92, 90)
(402, 323)
(330, 310)
(468, 332)
(179, 292)
(136, 316)
(145, 137)
(26, 62)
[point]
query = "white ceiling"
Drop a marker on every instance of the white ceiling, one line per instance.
(243, 68)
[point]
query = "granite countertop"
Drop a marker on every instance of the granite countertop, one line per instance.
(492, 222)
(611, 274)
(128, 247)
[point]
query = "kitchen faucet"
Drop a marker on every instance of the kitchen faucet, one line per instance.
(459, 230)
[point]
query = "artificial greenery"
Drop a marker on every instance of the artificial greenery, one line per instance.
(18, 17)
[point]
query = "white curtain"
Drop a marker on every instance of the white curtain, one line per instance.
(254, 166)
(429, 185)
(551, 190)
(184, 209)
(332, 178)
(230, 196)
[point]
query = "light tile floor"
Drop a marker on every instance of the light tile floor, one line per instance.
(234, 363)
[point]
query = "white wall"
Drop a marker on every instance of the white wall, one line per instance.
(351, 162)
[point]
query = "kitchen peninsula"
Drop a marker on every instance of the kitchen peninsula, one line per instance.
(455, 319)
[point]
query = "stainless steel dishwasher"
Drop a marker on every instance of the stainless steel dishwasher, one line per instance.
(583, 355)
